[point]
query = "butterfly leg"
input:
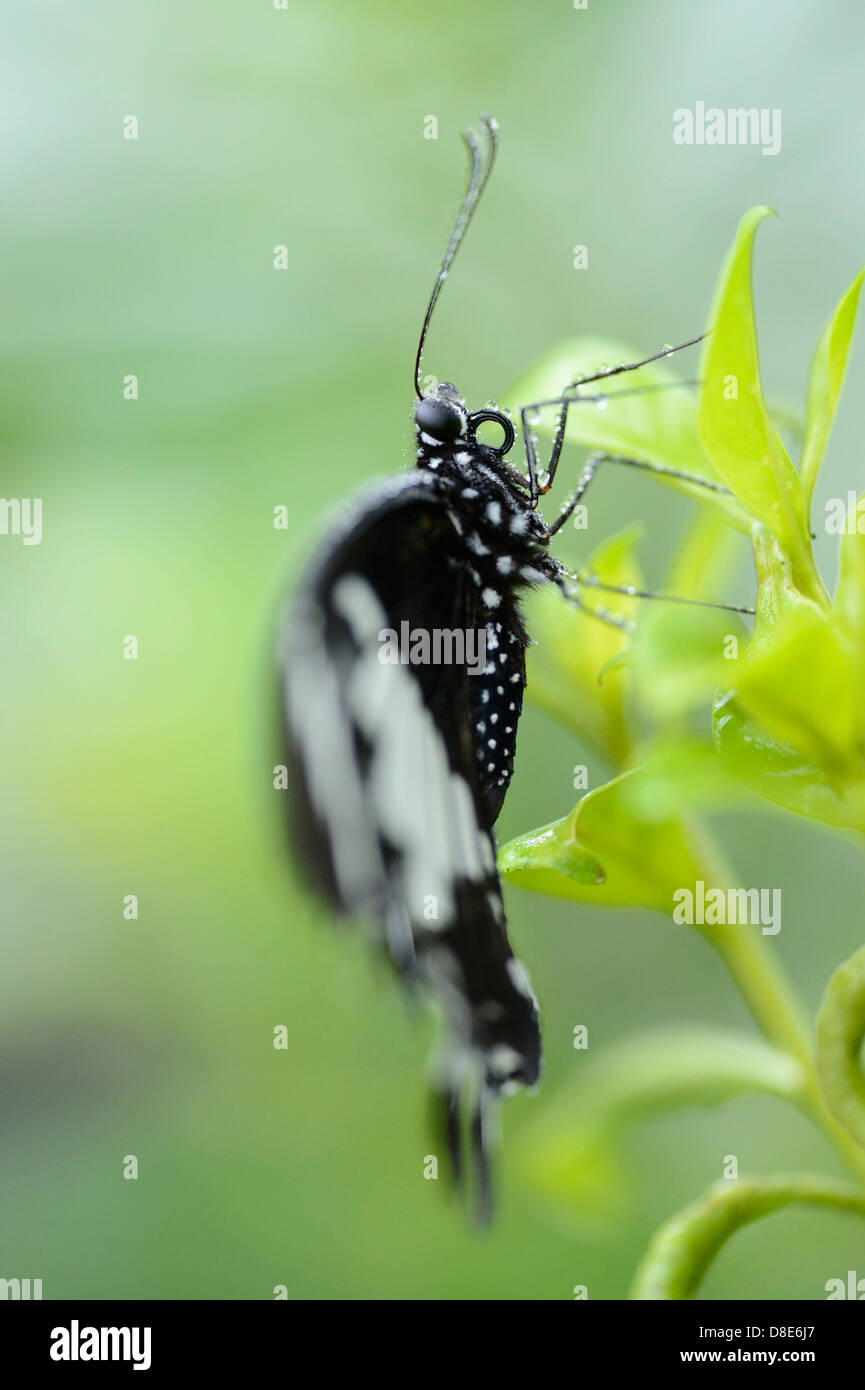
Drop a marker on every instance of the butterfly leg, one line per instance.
(590, 581)
(606, 372)
(658, 469)
(536, 485)
(592, 464)
(603, 615)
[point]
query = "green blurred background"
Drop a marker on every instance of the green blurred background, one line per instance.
(257, 387)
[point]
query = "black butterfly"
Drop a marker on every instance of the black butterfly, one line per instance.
(400, 768)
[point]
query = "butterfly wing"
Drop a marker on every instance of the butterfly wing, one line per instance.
(389, 820)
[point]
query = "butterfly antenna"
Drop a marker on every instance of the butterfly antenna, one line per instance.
(479, 173)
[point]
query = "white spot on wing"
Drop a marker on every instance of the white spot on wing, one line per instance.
(519, 977)
(503, 1060)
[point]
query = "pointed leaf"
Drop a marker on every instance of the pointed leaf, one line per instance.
(734, 423)
(825, 380)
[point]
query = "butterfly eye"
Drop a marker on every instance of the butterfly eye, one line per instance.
(439, 419)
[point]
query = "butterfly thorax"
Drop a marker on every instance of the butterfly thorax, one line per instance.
(490, 503)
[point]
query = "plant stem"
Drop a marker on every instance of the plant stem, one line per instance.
(765, 989)
(775, 1007)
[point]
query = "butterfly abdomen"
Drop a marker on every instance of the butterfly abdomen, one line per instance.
(504, 547)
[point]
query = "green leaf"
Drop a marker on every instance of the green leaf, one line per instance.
(683, 774)
(572, 650)
(654, 426)
(568, 1154)
(825, 379)
(799, 688)
(840, 1033)
(551, 860)
(734, 422)
(683, 1248)
(578, 1172)
(602, 853)
(788, 418)
(850, 594)
(792, 723)
(704, 558)
(680, 657)
(849, 605)
(796, 686)
(689, 775)
(780, 773)
(776, 592)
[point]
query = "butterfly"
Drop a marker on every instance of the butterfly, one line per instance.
(399, 762)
